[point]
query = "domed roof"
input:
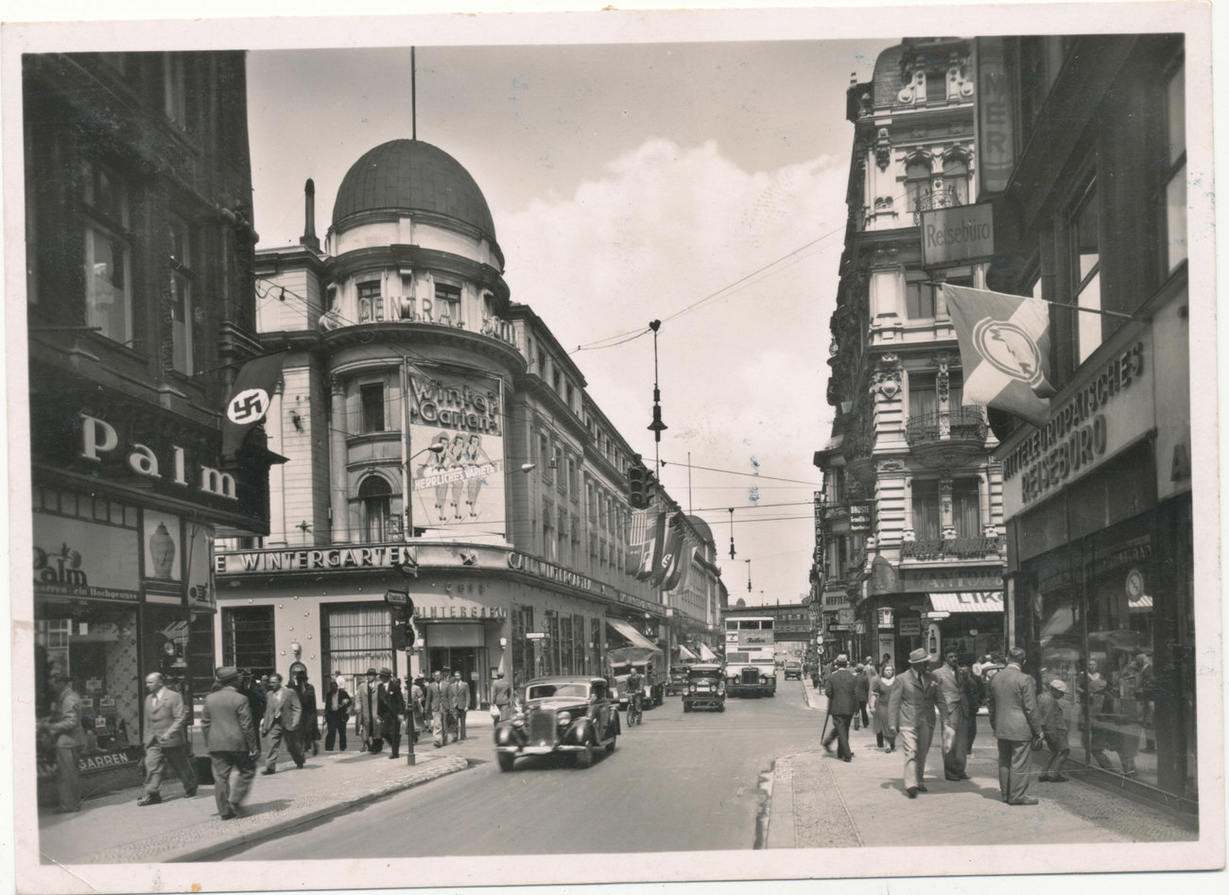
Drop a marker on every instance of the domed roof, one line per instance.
(410, 175)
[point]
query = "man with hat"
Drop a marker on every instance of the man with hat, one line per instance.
(367, 699)
(390, 704)
(460, 704)
(841, 690)
(1016, 724)
(1054, 730)
(953, 718)
(230, 738)
(911, 716)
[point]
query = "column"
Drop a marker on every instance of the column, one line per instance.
(338, 485)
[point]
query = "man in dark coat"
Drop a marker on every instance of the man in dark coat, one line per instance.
(230, 738)
(501, 696)
(309, 721)
(862, 688)
(1016, 723)
(390, 706)
(367, 700)
(336, 712)
(460, 703)
(841, 690)
(911, 715)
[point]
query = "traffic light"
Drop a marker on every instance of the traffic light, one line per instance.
(637, 486)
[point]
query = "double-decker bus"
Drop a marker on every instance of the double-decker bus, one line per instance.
(750, 660)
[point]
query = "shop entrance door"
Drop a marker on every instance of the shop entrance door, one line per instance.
(465, 659)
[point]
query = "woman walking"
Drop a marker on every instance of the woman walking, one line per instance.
(882, 694)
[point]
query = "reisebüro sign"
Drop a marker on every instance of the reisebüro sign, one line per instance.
(957, 235)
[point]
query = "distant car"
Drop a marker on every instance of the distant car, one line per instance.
(705, 687)
(570, 713)
(678, 680)
(793, 668)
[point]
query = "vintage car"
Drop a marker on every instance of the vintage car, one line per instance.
(705, 687)
(678, 680)
(571, 713)
(793, 669)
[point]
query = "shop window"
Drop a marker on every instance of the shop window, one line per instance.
(966, 508)
(595, 639)
(356, 637)
(180, 298)
(1173, 213)
(372, 412)
(370, 302)
(573, 479)
(522, 648)
(550, 663)
(1086, 261)
(108, 254)
(247, 638)
(375, 497)
(926, 517)
(567, 654)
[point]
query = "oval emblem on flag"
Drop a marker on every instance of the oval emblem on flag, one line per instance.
(249, 406)
(1009, 349)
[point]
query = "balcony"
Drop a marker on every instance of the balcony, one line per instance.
(939, 549)
(945, 197)
(946, 438)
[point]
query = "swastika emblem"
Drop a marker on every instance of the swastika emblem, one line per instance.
(249, 406)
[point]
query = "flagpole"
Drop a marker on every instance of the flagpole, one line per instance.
(1058, 304)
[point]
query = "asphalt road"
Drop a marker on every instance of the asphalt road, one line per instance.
(681, 781)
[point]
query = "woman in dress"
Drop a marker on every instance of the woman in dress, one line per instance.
(884, 684)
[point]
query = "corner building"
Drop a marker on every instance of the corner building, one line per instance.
(909, 542)
(1084, 161)
(440, 442)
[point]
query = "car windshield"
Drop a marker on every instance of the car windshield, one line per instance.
(546, 691)
(709, 673)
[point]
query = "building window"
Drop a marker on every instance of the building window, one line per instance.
(919, 300)
(548, 532)
(917, 182)
(375, 506)
(926, 509)
(182, 308)
(956, 180)
(1174, 211)
(1086, 248)
(372, 410)
(247, 638)
(370, 303)
(108, 254)
(966, 508)
(174, 88)
(447, 308)
(356, 637)
(522, 649)
(923, 399)
(573, 479)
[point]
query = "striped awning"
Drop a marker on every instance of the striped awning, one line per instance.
(630, 634)
(968, 601)
(686, 655)
(706, 654)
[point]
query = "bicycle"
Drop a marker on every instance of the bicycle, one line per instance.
(635, 714)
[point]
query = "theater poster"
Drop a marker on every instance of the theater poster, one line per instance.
(457, 452)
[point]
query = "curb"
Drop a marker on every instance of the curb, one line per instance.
(259, 828)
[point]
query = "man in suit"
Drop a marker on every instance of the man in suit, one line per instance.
(841, 690)
(911, 716)
(337, 704)
(390, 704)
(435, 709)
(165, 740)
(230, 737)
(1016, 723)
(862, 688)
(954, 718)
(448, 689)
(283, 715)
(64, 728)
(460, 703)
(501, 696)
(368, 701)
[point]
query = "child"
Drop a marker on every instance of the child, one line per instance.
(1054, 730)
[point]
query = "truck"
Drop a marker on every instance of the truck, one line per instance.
(651, 663)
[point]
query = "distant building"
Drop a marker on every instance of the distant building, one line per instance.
(141, 311)
(441, 444)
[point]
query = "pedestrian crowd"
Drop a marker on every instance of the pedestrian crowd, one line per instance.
(908, 709)
(251, 723)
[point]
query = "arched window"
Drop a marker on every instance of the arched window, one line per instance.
(374, 497)
(956, 179)
(917, 181)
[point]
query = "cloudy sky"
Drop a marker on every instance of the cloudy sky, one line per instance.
(630, 182)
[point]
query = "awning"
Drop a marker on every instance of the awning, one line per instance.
(706, 654)
(686, 655)
(968, 601)
(630, 634)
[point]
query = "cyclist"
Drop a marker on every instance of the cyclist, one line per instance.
(635, 691)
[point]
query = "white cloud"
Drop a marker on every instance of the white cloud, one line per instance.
(741, 375)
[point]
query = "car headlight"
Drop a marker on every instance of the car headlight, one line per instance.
(565, 718)
(503, 734)
(693, 688)
(721, 689)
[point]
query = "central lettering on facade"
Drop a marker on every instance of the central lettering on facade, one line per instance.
(327, 558)
(1077, 435)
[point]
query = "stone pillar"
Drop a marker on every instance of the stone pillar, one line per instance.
(338, 484)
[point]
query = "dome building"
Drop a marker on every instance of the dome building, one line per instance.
(441, 446)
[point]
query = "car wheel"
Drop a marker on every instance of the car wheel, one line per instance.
(721, 707)
(584, 758)
(505, 760)
(610, 747)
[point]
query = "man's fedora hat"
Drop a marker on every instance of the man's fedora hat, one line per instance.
(226, 674)
(918, 656)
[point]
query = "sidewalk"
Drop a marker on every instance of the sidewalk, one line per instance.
(113, 829)
(820, 802)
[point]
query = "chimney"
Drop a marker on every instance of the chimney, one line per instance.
(309, 214)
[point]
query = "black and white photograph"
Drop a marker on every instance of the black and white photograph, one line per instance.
(722, 447)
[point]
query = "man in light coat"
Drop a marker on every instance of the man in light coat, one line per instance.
(501, 696)
(460, 703)
(911, 716)
(283, 714)
(165, 740)
(954, 717)
(230, 738)
(1016, 723)
(64, 729)
(367, 698)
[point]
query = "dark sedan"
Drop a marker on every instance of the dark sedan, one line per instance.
(559, 714)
